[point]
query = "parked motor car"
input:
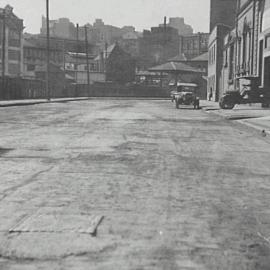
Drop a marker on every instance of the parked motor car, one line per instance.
(250, 93)
(185, 94)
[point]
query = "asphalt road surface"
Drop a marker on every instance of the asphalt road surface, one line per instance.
(178, 189)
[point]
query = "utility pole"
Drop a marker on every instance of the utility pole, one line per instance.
(76, 60)
(87, 60)
(64, 64)
(105, 60)
(48, 53)
(4, 50)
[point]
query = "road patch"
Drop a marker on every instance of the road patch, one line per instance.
(57, 223)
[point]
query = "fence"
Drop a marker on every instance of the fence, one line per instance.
(18, 88)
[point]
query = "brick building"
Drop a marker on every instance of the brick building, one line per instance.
(222, 21)
(194, 45)
(246, 52)
(222, 12)
(130, 43)
(11, 48)
(61, 28)
(117, 65)
(35, 56)
(157, 46)
(179, 24)
(76, 67)
(264, 45)
(215, 61)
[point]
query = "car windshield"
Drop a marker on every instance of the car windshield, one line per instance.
(184, 88)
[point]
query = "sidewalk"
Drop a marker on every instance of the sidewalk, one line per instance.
(250, 115)
(25, 102)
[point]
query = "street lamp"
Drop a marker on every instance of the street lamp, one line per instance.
(48, 53)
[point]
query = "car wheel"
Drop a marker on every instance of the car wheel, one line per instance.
(265, 105)
(176, 104)
(226, 105)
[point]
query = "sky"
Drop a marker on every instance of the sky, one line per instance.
(142, 14)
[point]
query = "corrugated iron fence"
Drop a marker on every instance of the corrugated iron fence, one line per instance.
(18, 88)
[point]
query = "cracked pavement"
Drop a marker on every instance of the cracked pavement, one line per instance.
(178, 189)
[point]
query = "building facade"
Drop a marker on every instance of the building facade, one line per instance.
(222, 12)
(11, 43)
(130, 43)
(215, 61)
(264, 45)
(35, 56)
(194, 45)
(179, 24)
(117, 65)
(75, 67)
(157, 46)
(222, 21)
(61, 28)
(246, 51)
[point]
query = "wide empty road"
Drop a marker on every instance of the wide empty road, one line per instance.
(178, 189)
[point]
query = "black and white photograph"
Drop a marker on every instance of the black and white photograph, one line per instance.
(135, 135)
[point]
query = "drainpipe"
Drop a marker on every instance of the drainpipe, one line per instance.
(253, 38)
(4, 48)
(236, 47)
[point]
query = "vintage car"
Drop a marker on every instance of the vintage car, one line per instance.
(185, 94)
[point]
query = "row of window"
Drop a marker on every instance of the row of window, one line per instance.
(12, 55)
(41, 54)
(92, 67)
(79, 67)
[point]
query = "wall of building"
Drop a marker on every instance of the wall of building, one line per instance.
(13, 47)
(193, 45)
(61, 28)
(179, 24)
(264, 46)
(215, 63)
(222, 12)
(157, 46)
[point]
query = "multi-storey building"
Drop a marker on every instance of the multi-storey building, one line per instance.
(179, 24)
(194, 45)
(35, 56)
(61, 28)
(222, 12)
(264, 45)
(246, 51)
(157, 46)
(116, 64)
(130, 43)
(76, 67)
(11, 48)
(222, 21)
(215, 61)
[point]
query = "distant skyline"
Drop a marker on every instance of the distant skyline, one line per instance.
(142, 14)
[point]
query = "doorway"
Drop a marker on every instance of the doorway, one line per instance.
(267, 73)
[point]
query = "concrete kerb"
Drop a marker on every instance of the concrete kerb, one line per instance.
(244, 118)
(15, 103)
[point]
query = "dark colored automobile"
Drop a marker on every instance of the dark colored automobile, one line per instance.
(249, 93)
(231, 98)
(186, 94)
